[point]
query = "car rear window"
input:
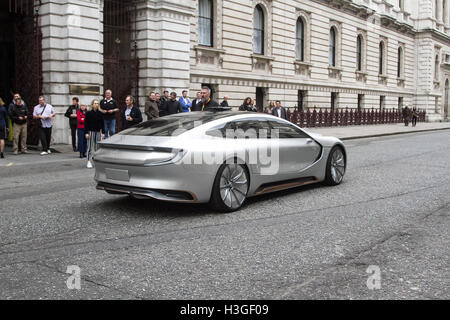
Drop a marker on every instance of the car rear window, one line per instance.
(174, 125)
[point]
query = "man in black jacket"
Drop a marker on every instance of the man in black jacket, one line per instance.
(19, 116)
(172, 105)
(71, 113)
(206, 103)
(132, 115)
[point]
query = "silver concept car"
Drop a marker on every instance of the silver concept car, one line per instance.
(221, 158)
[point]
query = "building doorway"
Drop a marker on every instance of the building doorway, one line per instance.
(121, 64)
(260, 98)
(21, 55)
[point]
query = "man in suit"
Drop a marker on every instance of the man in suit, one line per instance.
(132, 115)
(279, 111)
(206, 103)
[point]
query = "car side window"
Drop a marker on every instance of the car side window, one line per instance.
(286, 131)
(243, 129)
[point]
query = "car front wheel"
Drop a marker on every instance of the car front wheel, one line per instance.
(336, 166)
(230, 188)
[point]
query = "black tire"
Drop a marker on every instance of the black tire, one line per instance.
(236, 193)
(336, 154)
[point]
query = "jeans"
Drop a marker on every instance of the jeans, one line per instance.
(81, 141)
(110, 128)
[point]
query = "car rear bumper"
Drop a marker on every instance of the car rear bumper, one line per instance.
(174, 182)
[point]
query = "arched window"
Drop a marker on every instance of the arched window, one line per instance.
(359, 48)
(332, 47)
(381, 56)
(400, 62)
(258, 30)
(205, 22)
(300, 40)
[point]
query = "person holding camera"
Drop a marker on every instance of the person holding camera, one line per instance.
(19, 116)
(44, 113)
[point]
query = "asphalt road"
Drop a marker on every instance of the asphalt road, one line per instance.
(391, 214)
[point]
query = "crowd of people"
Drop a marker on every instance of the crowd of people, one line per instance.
(98, 121)
(410, 115)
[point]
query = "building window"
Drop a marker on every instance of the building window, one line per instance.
(381, 57)
(258, 30)
(359, 44)
(360, 101)
(382, 102)
(300, 40)
(332, 47)
(400, 62)
(400, 103)
(400, 4)
(205, 23)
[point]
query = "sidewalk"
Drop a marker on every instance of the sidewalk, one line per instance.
(343, 133)
(359, 132)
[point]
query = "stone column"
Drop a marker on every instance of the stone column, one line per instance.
(446, 13)
(163, 41)
(439, 17)
(72, 56)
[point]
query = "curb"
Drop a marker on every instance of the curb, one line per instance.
(391, 134)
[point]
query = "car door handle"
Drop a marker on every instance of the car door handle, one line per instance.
(309, 141)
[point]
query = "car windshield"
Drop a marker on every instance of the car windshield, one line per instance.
(174, 125)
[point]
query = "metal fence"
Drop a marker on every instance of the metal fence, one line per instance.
(312, 118)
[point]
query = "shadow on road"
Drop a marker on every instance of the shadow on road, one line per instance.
(154, 208)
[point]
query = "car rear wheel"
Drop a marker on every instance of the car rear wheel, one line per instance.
(230, 188)
(336, 166)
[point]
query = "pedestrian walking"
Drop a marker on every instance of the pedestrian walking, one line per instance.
(109, 108)
(279, 111)
(151, 107)
(406, 114)
(132, 114)
(173, 105)
(82, 142)
(414, 116)
(185, 102)
(94, 130)
(44, 113)
(3, 123)
(71, 114)
(19, 118)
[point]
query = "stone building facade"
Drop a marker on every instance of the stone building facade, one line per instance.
(306, 53)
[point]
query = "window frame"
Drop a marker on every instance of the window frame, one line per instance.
(300, 41)
(332, 47)
(258, 8)
(211, 24)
